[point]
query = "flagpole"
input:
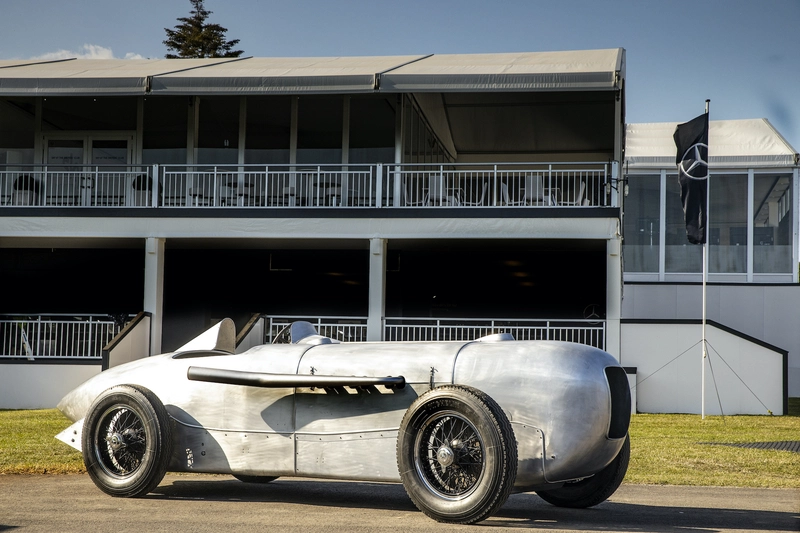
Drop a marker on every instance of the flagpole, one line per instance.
(705, 279)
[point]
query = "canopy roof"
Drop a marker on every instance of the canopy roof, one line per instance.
(528, 71)
(731, 143)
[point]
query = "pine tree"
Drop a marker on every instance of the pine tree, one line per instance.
(194, 38)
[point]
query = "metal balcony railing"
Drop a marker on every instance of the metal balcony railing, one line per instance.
(519, 184)
(300, 186)
(56, 336)
(354, 329)
(589, 332)
(346, 329)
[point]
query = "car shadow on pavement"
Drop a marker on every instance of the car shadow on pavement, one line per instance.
(520, 511)
(528, 510)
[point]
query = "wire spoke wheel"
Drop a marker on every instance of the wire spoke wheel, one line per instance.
(449, 455)
(121, 441)
(456, 454)
(127, 441)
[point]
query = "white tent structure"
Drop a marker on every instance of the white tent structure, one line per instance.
(753, 295)
(732, 143)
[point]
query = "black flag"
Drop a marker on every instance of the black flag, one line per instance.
(691, 139)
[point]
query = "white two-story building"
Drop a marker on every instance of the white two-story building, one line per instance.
(384, 198)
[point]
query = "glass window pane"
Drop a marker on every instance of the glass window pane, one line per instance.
(16, 136)
(165, 130)
(642, 224)
(62, 153)
(772, 223)
(218, 135)
(268, 130)
(408, 130)
(680, 256)
(111, 152)
(319, 130)
(727, 238)
(371, 130)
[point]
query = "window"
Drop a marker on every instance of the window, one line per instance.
(268, 130)
(16, 136)
(218, 135)
(642, 228)
(772, 223)
(165, 130)
(319, 130)
(727, 241)
(680, 255)
(371, 130)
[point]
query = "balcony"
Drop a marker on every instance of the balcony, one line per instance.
(545, 185)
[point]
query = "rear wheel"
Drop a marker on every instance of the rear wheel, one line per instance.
(127, 441)
(592, 490)
(456, 454)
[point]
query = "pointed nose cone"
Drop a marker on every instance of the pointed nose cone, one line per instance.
(76, 403)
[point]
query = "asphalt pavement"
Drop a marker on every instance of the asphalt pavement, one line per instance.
(200, 503)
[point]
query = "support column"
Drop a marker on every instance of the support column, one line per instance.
(377, 289)
(154, 289)
(613, 295)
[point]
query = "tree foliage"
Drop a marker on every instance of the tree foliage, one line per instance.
(193, 37)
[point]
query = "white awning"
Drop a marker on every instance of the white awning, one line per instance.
(529, 71)
(731, 143)
(287, 75)
(533, 71)
(75, 77)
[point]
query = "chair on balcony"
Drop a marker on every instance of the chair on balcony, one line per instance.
(26, 191)
(481, 199)
(535, 192)
(436, 194)
(506, 197)
(142, 186)
(439, 194)
(202, 193)
(579, 197)
(412, 200)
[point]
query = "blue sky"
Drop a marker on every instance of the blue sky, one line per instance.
(742, 54)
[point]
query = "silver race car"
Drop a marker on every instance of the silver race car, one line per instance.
(460, 424)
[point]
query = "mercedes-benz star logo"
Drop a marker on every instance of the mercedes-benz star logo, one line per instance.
(696, 163)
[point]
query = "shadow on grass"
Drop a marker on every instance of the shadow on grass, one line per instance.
(794, 407)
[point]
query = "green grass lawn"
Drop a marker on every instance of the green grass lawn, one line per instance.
(665, 449)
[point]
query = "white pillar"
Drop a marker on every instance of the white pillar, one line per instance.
(613, 295)
(154, 289)
(377, 289)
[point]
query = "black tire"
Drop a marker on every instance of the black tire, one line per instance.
(592, 490)
(254, 479)
(456, 454)
(127, 441)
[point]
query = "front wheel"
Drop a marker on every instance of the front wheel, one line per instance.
(127, 441)
(457, 454)
(592, 490)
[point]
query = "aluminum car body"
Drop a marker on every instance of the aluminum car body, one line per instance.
(558, 396)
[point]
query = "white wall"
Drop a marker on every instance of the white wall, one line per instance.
(26, 386)
(770, 313)
(134, 345)
(668, 379)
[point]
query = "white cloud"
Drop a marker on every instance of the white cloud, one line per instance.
(87, 51)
